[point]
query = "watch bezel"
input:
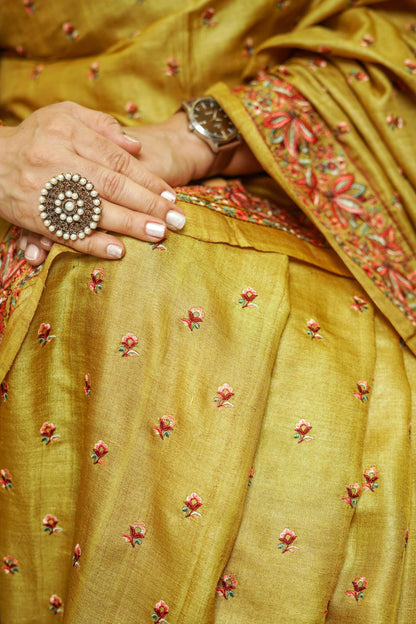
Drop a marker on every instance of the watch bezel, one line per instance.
(215, 140)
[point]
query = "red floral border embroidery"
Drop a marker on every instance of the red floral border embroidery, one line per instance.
(329, 185)
(14, 273)
(235, 201)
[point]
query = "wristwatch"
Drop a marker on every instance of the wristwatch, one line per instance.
(213, 126)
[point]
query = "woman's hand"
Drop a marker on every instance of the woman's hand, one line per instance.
(65, 138)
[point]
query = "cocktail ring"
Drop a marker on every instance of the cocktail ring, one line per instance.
(69, 206)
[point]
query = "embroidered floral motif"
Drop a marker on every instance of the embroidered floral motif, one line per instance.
(192, 503)
(137, 533)
(87, 386)
(166, 425)
(55, 604)
(44, 334)
(127, 343)
(158, 247)
(248, 47)
(395, 122)
(97, 277)
(410, 66)
(406, 538)
(247, 297)
(359, 585)
(225, 393)
(29, 6)
(313, 329)
(358, 75)
(371, 478)
(172, 66)
(208, 17)
(76, 557)
(36, 71)
(132, 110)
(70, 31)
(363, 391)
(359, 304)
(195, 317)
(226, 586)
(4, 390)
(282, 4)
(354, 493)
(94, 72)
(302, 429)
(251, 475)
(6, 479)
(367, 40)
(345, 204)
(316, 62)
(161, 609)
(47, 432)
(99, 450)
(10, 565)
(286, 539)
(50, 524)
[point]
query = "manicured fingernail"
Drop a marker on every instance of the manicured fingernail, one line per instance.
(175, 219)
(114, 251)
(169, 196)
(32, 253)
(129, 138)
(46, 242)
(157, 230)
(23, 243)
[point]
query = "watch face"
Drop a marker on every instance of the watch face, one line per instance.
(210, 120)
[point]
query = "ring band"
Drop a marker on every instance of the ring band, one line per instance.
(69, 206)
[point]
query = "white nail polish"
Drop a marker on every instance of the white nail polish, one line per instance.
(168, 195)
(175, 219)
(157, 230)
(46, 242)
(129, 138)
(114, 251)
(23, 243)
(32, 253)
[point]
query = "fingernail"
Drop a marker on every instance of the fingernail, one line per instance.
(23, 243)
(168, 195)
(175, 219)
(46, 242)
(32, 253)
(114, 251)
(157, 230)
(129, 138)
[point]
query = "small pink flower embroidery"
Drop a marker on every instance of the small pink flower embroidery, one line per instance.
(192, 503)
(166, 425)
(302, 429)
(371, 478)
(10, 565)
(36, 71)
(132, 110)
(286, 539)
(29, 6)
(70, 32)
(161, 609)
(87, 386)
(195, 317)
(367, 40)
(360, 76)
(248, 47)
(97, 277)
(94, 71)
(76, 557)
(55, 604)
(359, 304)
(406, 538)
(158, 247)
(251, 475)
(50, 524)
(226, 586)
(354, 493)
(359, 585)
(47, 432)
(4, 390)
(342, 128)
(6, 479)
(44, 334)
(137, 532)
(282, 4)
(247, 297)
(127, 343)
(313, 329)
(410, 66)
(172, 66)
(208, 17)
(395, 122)
(363, 391)
(225, 392)
(99, 450)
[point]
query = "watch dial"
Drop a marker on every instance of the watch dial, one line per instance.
(213, 120)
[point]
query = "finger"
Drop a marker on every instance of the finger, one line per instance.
(34, 254)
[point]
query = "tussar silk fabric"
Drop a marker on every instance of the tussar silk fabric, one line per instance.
(218, 427)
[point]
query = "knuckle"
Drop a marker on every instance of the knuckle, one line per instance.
(107, 121)
(119, 161)
(112, 185)
(127, 223)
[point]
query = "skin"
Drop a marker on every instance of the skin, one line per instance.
(130, 168)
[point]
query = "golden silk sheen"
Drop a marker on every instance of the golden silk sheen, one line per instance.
(217, 429)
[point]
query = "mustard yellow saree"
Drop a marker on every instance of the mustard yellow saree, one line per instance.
(217, 428)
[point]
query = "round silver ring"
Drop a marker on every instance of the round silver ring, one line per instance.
(70, 206)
